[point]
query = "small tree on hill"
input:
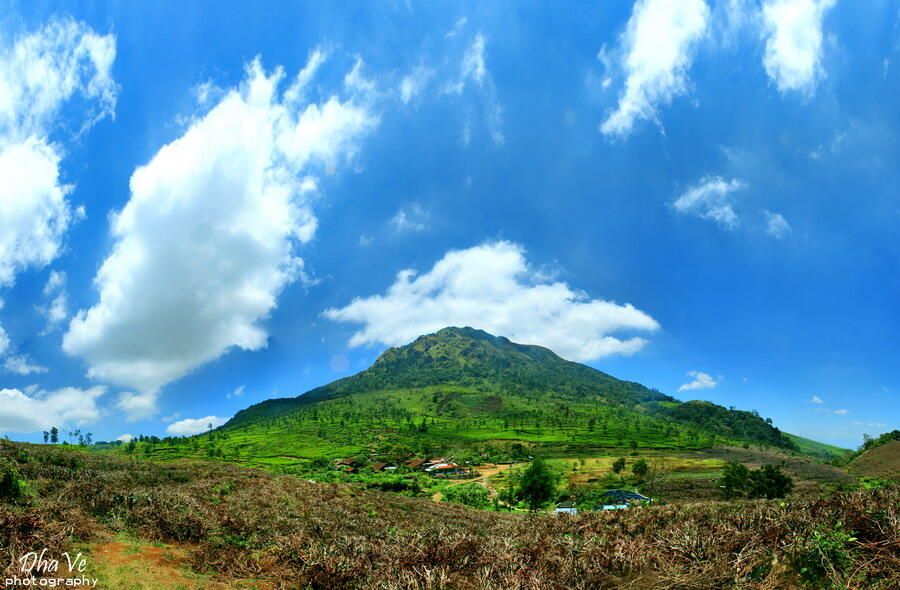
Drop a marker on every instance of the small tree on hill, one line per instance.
(54, 435)
(538, 485)
(640, 468)
(769, 482)
(618, 465)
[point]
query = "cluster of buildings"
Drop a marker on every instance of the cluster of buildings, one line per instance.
(437, 466)
(615, 500)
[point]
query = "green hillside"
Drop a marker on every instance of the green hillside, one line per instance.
(462, 389)
(817, 449)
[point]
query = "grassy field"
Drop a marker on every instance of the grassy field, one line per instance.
(192, 524)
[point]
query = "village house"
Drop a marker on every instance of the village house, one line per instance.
(383, 466)
(347, 464)
(445, 469)
(415, 463)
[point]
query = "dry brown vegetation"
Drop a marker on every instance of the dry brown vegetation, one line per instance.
(880, 461)
(231, 523)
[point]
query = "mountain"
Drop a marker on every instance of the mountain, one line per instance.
(473, 360)
(465, 388)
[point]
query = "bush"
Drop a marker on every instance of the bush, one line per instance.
(13, 487)
(734, 480)
(823, 554)
(768, 482)
(470, 494)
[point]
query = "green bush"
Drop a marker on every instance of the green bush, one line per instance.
(470, 494)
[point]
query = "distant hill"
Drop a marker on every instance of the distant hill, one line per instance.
(465, 388)
(883, 461)
(878, 457)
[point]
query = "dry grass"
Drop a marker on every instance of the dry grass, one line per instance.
(232, 524)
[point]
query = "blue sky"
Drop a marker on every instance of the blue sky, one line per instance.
(205, 207)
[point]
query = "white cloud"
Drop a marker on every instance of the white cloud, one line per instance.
(841, 412)
(473, 61)
(700, 381)
(39, 73)
(658, 47)
(492, 287)
(4, 341)
(817, 400)
(40, 410)
(138, 405)
(208, 239)
(355, 81)
(20, 364)
(711, 199)
(412, 218)
(457, 27)
(125, 438)
(191, 426)
(413, 84)
(57, 310)
(777, 226)
(238, 391)
(793, 31)
(473, 71)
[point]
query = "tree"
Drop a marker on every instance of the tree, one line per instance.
(54, 435)
(734, 480)
(538, 485)
(618, 465)
(640, 468)
(769, 482)
(46, 436)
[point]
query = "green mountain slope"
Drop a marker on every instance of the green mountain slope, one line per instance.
(462, 388)
(817, 449)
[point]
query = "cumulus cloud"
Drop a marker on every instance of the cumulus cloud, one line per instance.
(125, 438)
(657, 49)
(208, 239)
(492, 287)
(39, 73)
(711, 199)
(40, 410)
(793, 32)
(817, 400)
(776, 225)
(700, 381)
(191, 426)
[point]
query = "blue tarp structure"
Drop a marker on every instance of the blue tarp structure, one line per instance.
(624, 496)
